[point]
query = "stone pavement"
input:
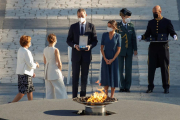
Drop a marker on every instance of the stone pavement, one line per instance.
(40, 18)
(63, 110)
(99, 9)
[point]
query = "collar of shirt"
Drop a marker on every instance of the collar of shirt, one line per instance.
(82, 23)
(25, 48)
(159, 18)
(124, 23)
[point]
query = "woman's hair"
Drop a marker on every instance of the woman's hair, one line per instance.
(121, 14)
(24, 40)
(51, 38)
(113, 23)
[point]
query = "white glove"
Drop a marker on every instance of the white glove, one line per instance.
(139, 38)
(175, 37)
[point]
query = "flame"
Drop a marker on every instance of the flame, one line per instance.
(98, 83)
(98, 97)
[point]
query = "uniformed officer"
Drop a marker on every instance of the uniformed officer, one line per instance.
(128, 47)
(158, 29)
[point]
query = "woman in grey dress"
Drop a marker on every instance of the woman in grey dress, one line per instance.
(110, 49)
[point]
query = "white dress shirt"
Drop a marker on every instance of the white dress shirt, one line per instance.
(25, 62)
(124, 24)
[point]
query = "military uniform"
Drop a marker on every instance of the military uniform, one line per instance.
(158, 55)
(128, 46)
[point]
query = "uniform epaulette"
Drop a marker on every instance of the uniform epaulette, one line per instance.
(131, 24)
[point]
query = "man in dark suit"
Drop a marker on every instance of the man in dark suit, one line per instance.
(81, 58)
(158, 29)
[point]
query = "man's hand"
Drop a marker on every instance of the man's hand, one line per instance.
(135, 53)
(77, 47)
(175, 37)
(34, 75)
(88, 46)
(139, 38)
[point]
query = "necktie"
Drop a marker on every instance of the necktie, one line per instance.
(82, 29)
(125, 26)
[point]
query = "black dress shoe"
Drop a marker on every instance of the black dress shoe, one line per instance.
(121, 90)
(149, 91)
(127, 90)
(166, 91)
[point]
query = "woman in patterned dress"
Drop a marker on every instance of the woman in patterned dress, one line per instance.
(25, 69)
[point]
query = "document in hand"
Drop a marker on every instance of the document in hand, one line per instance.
(83, 40)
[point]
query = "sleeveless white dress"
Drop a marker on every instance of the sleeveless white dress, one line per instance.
(55, 87)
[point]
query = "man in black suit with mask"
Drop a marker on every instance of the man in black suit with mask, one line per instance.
(81, 58)
(158, 30)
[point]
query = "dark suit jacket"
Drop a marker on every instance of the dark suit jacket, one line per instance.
(155, 27)
(73, 38)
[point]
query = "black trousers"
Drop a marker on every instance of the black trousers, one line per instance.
(76, 66)
(158, 57)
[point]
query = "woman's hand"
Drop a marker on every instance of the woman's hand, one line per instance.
(37, 64)
(60, 68)
(34, 75)
(110, 61)
(107, 61)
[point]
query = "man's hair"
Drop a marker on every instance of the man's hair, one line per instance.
(81, 10)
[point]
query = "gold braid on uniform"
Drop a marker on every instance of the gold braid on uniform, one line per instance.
(126, 40)
(143, 37)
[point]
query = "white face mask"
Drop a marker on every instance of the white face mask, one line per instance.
(109, 29)
(81, 20)
(30, 45)
(127, 20)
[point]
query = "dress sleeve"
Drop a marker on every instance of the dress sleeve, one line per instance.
(102, 40)
(119, 41)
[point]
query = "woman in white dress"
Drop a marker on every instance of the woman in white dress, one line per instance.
(55, 87)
